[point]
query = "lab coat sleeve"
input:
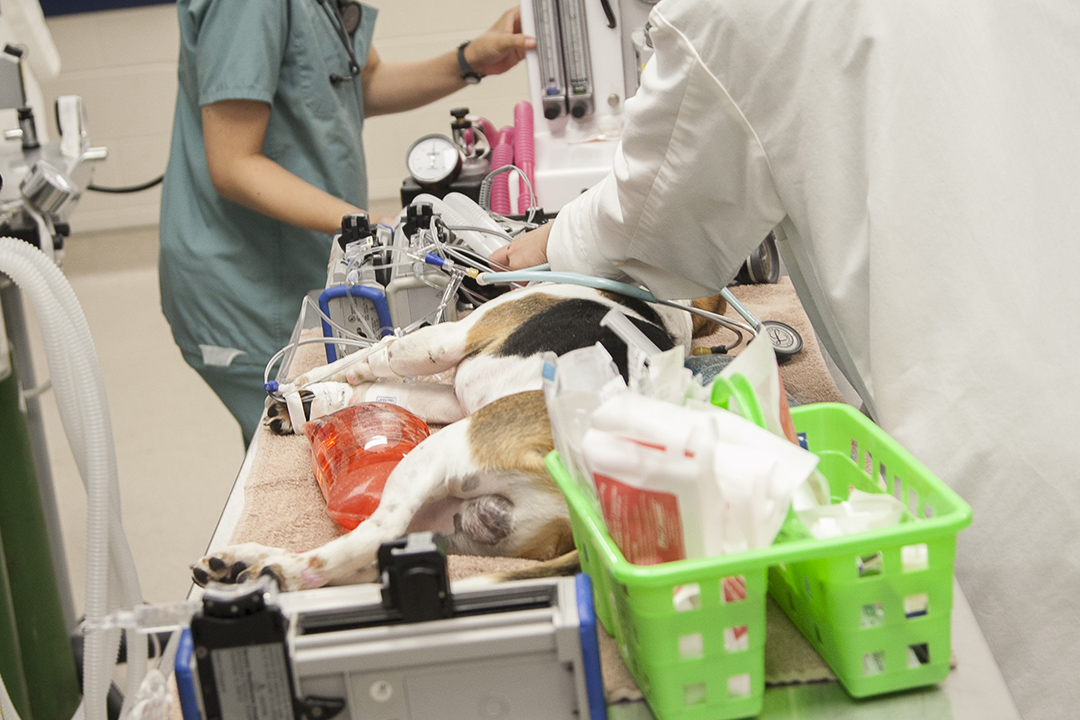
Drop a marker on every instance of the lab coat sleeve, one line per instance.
(691, 193)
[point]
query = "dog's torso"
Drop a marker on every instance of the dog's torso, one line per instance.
(480, 481)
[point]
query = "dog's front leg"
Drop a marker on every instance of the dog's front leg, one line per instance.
(424, 475)
(434, 403)
(427, 351)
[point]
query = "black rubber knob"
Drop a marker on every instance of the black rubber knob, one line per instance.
(354, 226)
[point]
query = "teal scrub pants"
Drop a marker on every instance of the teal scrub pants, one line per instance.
(240, 387)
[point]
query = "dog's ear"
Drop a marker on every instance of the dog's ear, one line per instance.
(703, 327)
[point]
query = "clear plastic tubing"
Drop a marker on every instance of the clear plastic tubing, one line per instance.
(457, 210)
(486, 127)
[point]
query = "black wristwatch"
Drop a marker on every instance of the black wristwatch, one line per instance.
(467, 73)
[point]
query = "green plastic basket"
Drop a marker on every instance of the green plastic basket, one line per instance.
(876, 604)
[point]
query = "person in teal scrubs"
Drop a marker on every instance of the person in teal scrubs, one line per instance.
(267, 157)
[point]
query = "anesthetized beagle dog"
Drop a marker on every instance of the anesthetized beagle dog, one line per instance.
(481, 480)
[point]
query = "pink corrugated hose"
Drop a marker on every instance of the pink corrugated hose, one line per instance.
(524, 152)
(502, 155)
(486, 127)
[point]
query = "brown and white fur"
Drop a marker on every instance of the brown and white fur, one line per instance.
(481, 480)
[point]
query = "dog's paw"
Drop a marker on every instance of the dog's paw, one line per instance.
(278, 420)
(240, 563)
(277, 415)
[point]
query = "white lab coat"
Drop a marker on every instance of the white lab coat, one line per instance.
(923, 160)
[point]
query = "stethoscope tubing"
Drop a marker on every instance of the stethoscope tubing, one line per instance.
(334, 14)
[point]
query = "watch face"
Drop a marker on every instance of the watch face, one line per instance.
(433, 159)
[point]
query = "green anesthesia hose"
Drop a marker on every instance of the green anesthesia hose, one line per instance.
(48, 664)
(10, 655)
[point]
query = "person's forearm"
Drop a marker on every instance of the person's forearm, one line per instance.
(399, 86)
(262, 185)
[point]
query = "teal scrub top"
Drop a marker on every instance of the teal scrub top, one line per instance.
(233, 280)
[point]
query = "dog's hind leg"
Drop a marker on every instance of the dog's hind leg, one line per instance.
(431, 471)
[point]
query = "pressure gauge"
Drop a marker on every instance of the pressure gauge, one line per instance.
(433, 160)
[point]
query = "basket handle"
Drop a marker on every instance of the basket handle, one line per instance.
(737, 386)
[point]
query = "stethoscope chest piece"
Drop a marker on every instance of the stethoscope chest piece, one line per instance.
(785, 340)
(351, 13)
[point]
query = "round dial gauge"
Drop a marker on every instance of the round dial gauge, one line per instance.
(433, 160)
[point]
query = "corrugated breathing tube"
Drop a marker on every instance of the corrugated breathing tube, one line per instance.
(80, 393)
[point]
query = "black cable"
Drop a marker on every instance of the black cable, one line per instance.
(609, 13)
(131, 189)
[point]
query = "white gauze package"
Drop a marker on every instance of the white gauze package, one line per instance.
(757, 364)
(575, 384)
(700, 480)
(644, 493)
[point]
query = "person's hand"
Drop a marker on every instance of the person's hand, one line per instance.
(500, 47)
(528, 250)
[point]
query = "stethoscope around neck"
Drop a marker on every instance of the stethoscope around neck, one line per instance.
(345, 24)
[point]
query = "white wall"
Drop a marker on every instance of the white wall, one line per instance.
(123, 64)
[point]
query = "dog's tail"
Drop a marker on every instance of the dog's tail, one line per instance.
(567, 564)
(564, 565)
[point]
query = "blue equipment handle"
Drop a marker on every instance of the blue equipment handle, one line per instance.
(590, 648)
(377, 298)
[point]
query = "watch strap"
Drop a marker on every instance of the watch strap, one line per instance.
(467, 73)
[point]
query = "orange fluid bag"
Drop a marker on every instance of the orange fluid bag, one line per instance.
(354, 451)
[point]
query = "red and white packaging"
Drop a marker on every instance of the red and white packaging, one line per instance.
(647, 477)
(647, 496)
(677, 482)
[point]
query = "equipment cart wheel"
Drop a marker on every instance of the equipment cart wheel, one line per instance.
(763, 265)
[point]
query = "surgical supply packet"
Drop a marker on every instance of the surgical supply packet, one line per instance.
(577, 382)
(860, 512)
(354, 450)
(758, 367)
(644, 493)
(574, 385)
(678, 482)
